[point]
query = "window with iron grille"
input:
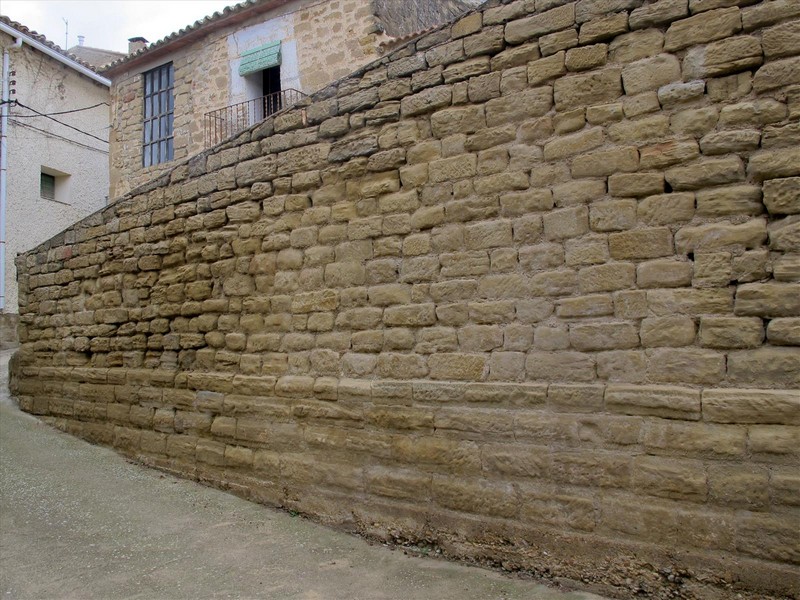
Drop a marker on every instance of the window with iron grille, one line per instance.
(47, 186)
(159, 105)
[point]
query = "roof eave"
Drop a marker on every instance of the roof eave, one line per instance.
(33, 43)
(166, 46)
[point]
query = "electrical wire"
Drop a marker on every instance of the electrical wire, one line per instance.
(55, 135)
(62, 112)
(61, 122)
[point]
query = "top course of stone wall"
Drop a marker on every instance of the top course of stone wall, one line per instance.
(526, 288)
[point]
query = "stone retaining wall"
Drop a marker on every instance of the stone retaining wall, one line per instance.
(526, 289)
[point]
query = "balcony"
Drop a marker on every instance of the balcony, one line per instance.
(226, 122)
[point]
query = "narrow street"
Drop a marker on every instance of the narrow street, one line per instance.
(79, 521)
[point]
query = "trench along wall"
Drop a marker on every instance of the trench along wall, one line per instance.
(527, 288)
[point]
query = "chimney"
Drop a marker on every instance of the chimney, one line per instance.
(81, 39)
(135, 44)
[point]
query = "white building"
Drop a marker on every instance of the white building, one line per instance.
(55, 161)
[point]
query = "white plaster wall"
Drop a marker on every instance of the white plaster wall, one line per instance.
(280, 28)
(33, 143)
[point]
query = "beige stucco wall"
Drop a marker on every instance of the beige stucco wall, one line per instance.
(321, 42)
(35, 143)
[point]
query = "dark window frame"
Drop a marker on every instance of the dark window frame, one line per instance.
(47, 186)
(158, 115)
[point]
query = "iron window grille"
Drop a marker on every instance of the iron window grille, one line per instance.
(159, 107)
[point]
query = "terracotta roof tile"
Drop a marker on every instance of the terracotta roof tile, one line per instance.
(206, 23)
(43, 40)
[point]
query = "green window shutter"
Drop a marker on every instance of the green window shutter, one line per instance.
(258, 59)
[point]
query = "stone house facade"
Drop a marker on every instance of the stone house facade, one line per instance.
(55, 167)
(246, 52)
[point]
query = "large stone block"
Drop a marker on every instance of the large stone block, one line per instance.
(782, 196)
(517, 107)
(731, 332)
(669, 478)
(536, 25)
(467, 119)
(650, 73)
(668, 402)
(702, 28)
(587, 10)
(697, 439)
(777, 74)
(729, 200)
(426, 101)
(458, 367)
(658, 13)
(727, 56)
(593, 88)
(476, 496)
(671, 331)
(566, 223)
(782, 40)
(724, 235)
(568, 145)
(667, 209)
(560, 366)
(587, 57)
(603, 336)
(784, 332)
(467, 69)
(751, 406)
(686, 365)
(607, 469)
(766, 367)
(709, 172)
(594, 305)
(691, 302)
(602, 163)
(635, 184)
(603, 28)
(550, 67)
(606, 278)
(768, 300)
(641, 243)
(456, 167)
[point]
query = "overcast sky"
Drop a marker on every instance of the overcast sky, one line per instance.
(108, 24)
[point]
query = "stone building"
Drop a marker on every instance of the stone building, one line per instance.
(56, 150)
(229, 62)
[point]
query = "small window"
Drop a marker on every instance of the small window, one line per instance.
(47, 187)
(54, 185)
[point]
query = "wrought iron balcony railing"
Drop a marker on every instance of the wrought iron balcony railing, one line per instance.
(227, 122)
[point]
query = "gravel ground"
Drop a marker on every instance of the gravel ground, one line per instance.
(79, 521)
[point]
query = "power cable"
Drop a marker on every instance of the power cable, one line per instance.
(62, 112)
(55, 135)
(61, 123)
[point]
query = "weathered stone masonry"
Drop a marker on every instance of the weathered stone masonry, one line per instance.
(527, 288)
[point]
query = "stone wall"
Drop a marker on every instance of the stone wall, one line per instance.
(526, 289)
